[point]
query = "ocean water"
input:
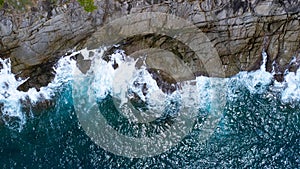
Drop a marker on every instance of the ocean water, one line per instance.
(258, 125)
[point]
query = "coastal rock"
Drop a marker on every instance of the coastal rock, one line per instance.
(45, 30)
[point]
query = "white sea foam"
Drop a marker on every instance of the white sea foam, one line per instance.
(291, 93)
(118, 82)
(11, 98)
(290, 87)
(255, 81)
(9, 95)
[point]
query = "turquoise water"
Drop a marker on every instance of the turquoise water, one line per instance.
(259, 124)
(256, 130)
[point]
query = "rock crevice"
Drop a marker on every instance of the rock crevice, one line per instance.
(239, 29)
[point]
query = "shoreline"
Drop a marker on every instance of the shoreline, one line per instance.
(35, 38)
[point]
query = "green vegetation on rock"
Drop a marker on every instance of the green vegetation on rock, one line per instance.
(21, 5)
(88, 5)
(1, 3)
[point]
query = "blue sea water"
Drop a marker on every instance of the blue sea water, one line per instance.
(259, 127)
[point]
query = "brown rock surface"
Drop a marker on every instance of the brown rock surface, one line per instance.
(239, 29)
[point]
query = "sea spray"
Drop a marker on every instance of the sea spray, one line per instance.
(291, 93)
(10, 98)
(255, 81)
(259, 128)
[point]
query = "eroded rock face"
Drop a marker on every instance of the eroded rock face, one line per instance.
(240, 30)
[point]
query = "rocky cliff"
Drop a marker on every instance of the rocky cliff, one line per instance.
(35, 35)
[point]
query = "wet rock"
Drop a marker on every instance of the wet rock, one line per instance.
(38, 107)
(164, 81)
(34, 33)
(83, 65)
(39, 76)
(164, 53)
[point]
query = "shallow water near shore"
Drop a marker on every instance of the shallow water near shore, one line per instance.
(259, 126)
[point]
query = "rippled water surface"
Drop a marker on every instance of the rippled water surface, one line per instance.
(259, 127)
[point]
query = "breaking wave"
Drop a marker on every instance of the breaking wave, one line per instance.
(244, 92)
(11, 99)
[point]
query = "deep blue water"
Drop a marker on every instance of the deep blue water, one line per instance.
(256, 131)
